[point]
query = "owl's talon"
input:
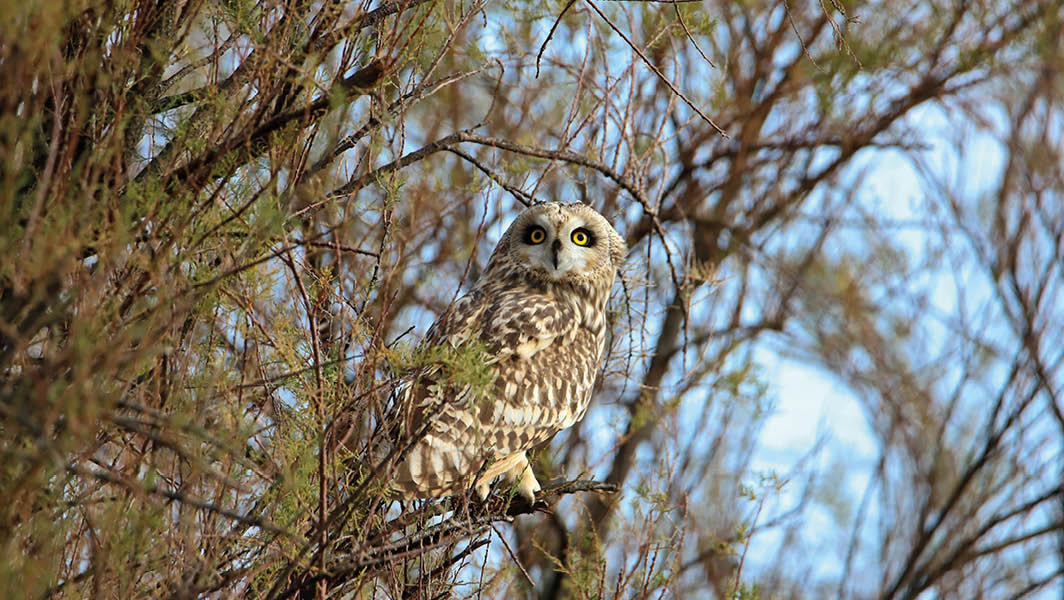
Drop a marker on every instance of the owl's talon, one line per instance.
(483, 489)
(521, 474)
(529, 486)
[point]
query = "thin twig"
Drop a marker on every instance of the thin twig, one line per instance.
(517, 561)
(521, 196)
(312, 322)
(550, 34)
(690, 36)
(186, 499)
(441, 144)
(657, 72)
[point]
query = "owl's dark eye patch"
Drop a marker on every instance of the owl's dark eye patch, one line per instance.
(534, 235)
(582, 237)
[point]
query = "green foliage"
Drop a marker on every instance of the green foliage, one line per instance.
(212, 262)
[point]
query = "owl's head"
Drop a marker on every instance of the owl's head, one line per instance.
(563, 243)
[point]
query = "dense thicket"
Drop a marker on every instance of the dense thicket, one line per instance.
(226, 223)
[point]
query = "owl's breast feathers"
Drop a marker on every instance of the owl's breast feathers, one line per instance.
(512, 315)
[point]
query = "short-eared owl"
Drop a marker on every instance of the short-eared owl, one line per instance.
(539, 313)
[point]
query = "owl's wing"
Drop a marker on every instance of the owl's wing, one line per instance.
(522, 325)
(507, 323)
(456, 326)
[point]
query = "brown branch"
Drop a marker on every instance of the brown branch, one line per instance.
(687, 32)
(423, 90)
(421, 153)
(195, 172)
(522, 196)
(565, 156)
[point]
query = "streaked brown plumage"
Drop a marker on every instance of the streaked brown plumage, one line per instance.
(539, 311)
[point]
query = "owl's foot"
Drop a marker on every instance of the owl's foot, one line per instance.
(527, 486)
(521, 474)
(517, 471)
(483, 488)
(504, 465)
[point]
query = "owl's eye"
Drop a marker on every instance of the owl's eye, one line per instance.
(535, 235)
(581, 237)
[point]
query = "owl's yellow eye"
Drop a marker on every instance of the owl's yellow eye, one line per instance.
(536, 235)
(581, 237)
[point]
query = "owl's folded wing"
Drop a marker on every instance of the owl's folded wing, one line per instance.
(508, 324)
(520, 325)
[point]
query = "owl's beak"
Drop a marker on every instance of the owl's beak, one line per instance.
(555, 246)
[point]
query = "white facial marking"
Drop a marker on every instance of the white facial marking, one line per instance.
(569, 256)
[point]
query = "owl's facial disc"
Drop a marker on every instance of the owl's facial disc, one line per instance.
(557, 252)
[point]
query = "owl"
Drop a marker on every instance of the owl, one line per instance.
(538, 315)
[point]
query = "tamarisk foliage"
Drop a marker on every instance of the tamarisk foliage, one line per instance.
(225, 224)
